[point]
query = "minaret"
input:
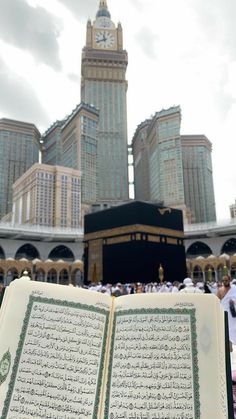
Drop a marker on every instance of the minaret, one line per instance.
(102, 4)
(103, 84)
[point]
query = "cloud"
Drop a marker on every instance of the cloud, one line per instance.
(18, 99)
(138, 4)
(218, 22)
(146, 39)
(223, 99)
(81, 8)
(31, 29)
(73, 77)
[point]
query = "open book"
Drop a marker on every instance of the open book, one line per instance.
(69, 353)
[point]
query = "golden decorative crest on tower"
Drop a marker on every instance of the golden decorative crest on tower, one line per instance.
(162, 211)
(103, 3)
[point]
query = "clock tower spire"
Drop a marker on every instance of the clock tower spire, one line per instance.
(103, 3)
(103, 83)
(103, 10)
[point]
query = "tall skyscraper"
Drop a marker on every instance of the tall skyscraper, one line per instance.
(141, 162)
(198, 177)
(104, 85)
(51, 149)
(73, 143)
(80, 148)
(160, 154)
(19, 150)
(173, 169)
(48, 196)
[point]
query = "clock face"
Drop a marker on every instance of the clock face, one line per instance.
(104, 39)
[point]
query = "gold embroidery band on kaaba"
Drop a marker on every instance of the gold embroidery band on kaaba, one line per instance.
(135, 228)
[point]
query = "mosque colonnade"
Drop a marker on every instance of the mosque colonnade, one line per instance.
(58, 257)
(209, 258)
(47, 261)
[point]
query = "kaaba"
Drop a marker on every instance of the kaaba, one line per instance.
(134, 242)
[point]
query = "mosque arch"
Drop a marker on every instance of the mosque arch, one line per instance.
(77, 277)
(198, 249)
(220, 271)
(52, 276)
(27, 251)
(233, 270)
(40, 275)
(2, 253)
(1, 276)
(229, 247)
(197, 273)
(209, 272)
(61, 252)
(12, 274)
(64, 277)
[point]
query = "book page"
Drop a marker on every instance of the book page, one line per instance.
(165, 358)
(4, 303)
(52, 351)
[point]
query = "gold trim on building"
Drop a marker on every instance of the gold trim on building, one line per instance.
(135, 228)
(120, 239)
(162, 211)
(155, 239)
(170, 240)
(138, 237)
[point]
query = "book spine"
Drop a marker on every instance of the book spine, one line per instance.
(228, 370)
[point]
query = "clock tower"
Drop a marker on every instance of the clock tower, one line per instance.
(104, 85)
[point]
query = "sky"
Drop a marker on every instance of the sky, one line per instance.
(180, 53)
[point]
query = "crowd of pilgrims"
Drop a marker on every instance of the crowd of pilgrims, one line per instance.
(135, 288)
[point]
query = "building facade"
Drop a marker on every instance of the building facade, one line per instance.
(232, 209)
(158, 170)
(198, 177)
(103, 84)
(172, 168)
(141, 162)
(51, 149)
(79, 145)
(48, 196)
(72, 142)
(165, 163)
(19, 150)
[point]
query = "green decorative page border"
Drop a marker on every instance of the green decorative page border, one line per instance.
(62, 303)
(195, 369)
